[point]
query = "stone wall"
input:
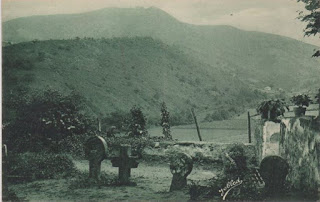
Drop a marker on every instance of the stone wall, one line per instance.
(300, 147)
(202, 152)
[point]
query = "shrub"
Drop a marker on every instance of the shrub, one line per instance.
(165, 117)
(301, 100)
(137, 122)
(119, 119)
(318, 96)
(73, 145)
(271, 109)
(237, 165)
(34, 166)
(45, 121)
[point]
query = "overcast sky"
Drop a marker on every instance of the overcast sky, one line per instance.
(272, 16)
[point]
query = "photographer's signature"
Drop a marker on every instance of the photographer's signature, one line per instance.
(230, 185)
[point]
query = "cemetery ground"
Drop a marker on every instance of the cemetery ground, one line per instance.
(152, 183)
(152, 178)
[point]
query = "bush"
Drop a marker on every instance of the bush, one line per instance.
(137, 122)
(165, 121)
(73, 145)
(34, 166)
(119, 119)
(217, 115)
(237, 165)
(46, 120)
(301, 100)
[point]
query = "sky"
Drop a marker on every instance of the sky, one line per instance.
(271, 16)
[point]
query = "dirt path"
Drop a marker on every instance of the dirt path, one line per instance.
(153, 182)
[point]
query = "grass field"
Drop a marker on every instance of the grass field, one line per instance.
(227, 131)
(208, 134)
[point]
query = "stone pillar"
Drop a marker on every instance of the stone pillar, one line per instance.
(267, 137)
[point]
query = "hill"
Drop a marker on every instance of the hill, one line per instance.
(115, 74)
(258, 59)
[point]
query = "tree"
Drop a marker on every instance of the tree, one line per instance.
(137, 125)
(46, 120)
(312, 18)
(165, 116)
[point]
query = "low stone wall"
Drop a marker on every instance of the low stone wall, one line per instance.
(203, 152)
(300, 147)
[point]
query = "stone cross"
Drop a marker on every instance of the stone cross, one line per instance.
(125, 162)
(273, 170)
(95, 151)
(181, 165)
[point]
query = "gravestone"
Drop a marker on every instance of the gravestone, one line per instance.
(125, 161)
(181, 165)
(95, 151)
(273, 170)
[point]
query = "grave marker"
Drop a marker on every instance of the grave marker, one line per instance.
(125, 161)
(181, 165)
(95, 151)
(273, 170)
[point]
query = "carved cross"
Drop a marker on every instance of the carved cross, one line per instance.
(125, 162)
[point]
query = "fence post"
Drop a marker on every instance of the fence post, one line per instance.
(249, 127)
(195, 120)
(99, 125)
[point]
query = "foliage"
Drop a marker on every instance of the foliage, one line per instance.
(181, 118)
(217, 115)
(35, 166)
(118, 119)
(312, 17)
(72, 145)
(137, 123)
(271, 109)
(236, 166)
(236, 161)
(146, 60)
(318, 96)
(301, 100)
(45, 121)
(165, 121)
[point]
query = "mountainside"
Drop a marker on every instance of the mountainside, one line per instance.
(115, 74)
(258, 59)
